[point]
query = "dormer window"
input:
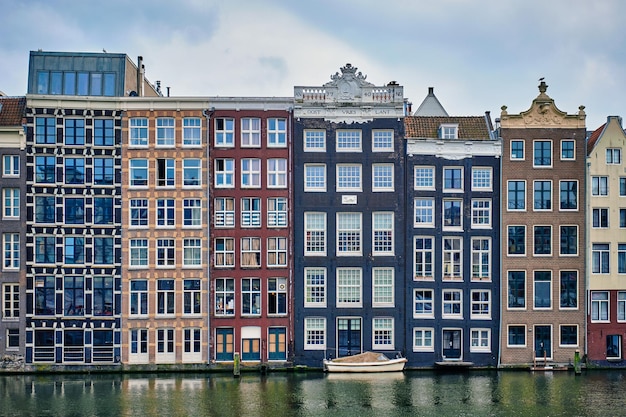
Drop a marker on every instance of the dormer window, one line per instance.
(449, 131)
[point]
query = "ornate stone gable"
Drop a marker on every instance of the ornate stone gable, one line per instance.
(543, 113)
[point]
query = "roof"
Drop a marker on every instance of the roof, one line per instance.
(593, 138)
(430, 106)
(470, 127)
(12, 110)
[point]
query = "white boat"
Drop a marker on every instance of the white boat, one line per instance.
(365, 362)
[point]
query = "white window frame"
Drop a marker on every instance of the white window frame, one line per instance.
(448, 131)
(166, 213)
(508, 190)
(550, 198)
(525, 333)
(250, 173)
(134, 164)
(452, 258)
(194, 164)
(453, 202)
(138, 253)
(573, 142)
(451, 188)
(11, 166)
(251, 212)
(481, 213)
(621, 306)
(382, 177)
(561, 182)
(613, 156)
(480, 308)
(315, 177)
(192, 252)
(251, 250)
(250, 132)
(192, 132)
(423, 339)
(277, 214)
(224, 297)
(574, 345)
(482, 179)
(449, 299)
(166, 298)
(424, 301)
(382, 140)
(383, 333)
(277, 174)
(350, 287)
(11, 203)
(224, 212)
(514, 158)
(314, 140)
(348, 140)
(141, 298)
(10, 301)
(277, 249)
(224, 135)
(317, 227)
(138, 135)
(315, 290)
(383, 233)
(276, 132)
(349, 236)
(423, 175)
(315, 331)
(165, 132)
(224, 173)
(424, 208)
(166, 253)
(480, 272)
(550, 290)
(349, 177)
(424, 263)
(480, 340)
(191, 294)
(543, 166)
(600, 186)
(193, 207)
(165, 351)
(383, 281)
(597, 305)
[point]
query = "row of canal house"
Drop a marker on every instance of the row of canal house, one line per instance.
(143, 229)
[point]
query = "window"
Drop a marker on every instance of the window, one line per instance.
(224, 173)
(424, 177)
(543, 289)
(13, 339)
(103, 132)
(517, 240)
(614, 346)
(424, 212)
(45, 169)
(277, 173)
(543, 195)
(11, 203)
(452, 306)
(224, 252)
(452, 213)
(103, 171)
(103, 296)
(452, 256)
(250, 132)
(192, 169)
(10, 301)
(192, 343)
(453, 179)
(517, 289)
(276, 212)
(165, 172)
(139, 342)
(315, 234)
(348, 141)
(542, 153)
(481, 340)
(74, 250)
(349, 234)
(621, 306)
(569, 289)
(315, 287)
(138, 252)
(165, 212)
(543, 240)
(481, 213)
(74, 170)
(192, 131)
(382, 287)
(139, 212)
(567, 150)
(224, 215)
(250, 252)
(349, 177)
(315, 177)
(45, 130)
(600, 217)
(423, 303)
(138, 135)
(192, 212)
(599, 186)
(569, 195)
(74, 131)
(314, 333)
(481, 179)
(423, 340)
(448, 131)
(225, 297)
(192, 252)
(424, 255)
(600, 306)
(11, 166)
(45, 295)
(276, 132)
(600, 258)
(44, 209)
(382, 177)
(251, 172)
(165, 342)
(349, 287)
(481, 304)
(74, 211)
(382, 233)
(481, 258)
(569, 240)
(621, 258)
(250, 212)
(517, 149)
(614, 156)
(165, 296)
(224, 132)
(314, 140)
(516, 195)
(73, 296)
(138, 172)
(622, 186)
(165, 131)
(251, 296)
(277, 296)
(165, 252)
(382, 332)
(45, 249)
(382, 140)
(622, 217)
(516, 336)
(276, 251)
(103, 252)
(138, 297)
(191, 296)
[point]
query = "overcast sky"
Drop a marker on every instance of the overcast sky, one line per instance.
(479, 55)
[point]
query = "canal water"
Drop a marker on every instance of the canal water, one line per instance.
(594, 393)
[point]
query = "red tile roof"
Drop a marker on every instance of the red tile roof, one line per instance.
(470, 127)
(12, 110)
(593, 138)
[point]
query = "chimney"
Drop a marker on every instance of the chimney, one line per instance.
(140, 71)
(431, 91)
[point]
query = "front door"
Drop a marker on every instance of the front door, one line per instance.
(224, 338)
(543, 342)
(348, 336)
(451, 344)
(277, 346)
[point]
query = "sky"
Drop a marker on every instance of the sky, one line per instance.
(478, 55)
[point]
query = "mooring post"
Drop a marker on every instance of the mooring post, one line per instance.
(577, 370)
(236, 365)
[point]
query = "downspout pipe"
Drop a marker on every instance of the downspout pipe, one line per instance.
(208, 113)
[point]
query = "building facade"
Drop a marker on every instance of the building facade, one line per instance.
(606, 244)
(348, 218)
(543, 218)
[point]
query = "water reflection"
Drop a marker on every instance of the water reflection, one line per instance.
(412, 393)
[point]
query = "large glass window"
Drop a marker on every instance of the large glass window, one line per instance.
(102, 210)
(424, 255)
(569, 240)
(250, 296)
(251, 172)
(138, 131)
(74, 250)
(45, 295)
(250, 132)
(453, 179)
(45, 169)
(224, 132)
(165, 131)
(315, 287)
(315, 234)
(569, 195)
(103, 300)
(569, 289)
(45, 249)
(225, 296)
(349, 287)
(103, 171)
(276, 132)
(45, 209)
(74, 210)
(382, 233)
(516, 240)
(224, 212)
(192, 172)
(516, 195)
(138, 172)
(103, 132)
(543, 240)
(348, 141)
(73, 296)
(543, 195)
(74, 170)
(600, 263)
(542, 153)
(452, 213)
(516, 289)
(103, 252)
(349, 230)
(45, 130)
(543, 289)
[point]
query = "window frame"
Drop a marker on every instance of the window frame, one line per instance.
(349, 287)
(165, 132)
(349, 177)
(426, 301)
(426, 259)
(315, 282)
(542, 157)
(138, 253)
(383, 236)
(250, 134)
(348, 140)
(482, 178)
(514, 150)
(564, 157)
(349, 238)
(314, 140)
(138, 135)
(481, 213)
(382, 140)
(11, 166)
(422, 180)
(315, 177)
(451, 303)
(382, 177)
(422, 212)
(224, 133)
(383, 285)
(276, 132)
